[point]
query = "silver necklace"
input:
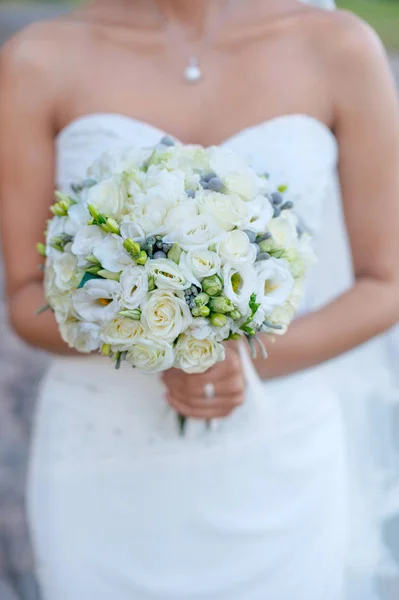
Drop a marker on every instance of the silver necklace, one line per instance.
(193, 72)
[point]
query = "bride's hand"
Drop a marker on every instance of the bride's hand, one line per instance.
(187, 394)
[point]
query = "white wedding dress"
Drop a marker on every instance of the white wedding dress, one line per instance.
(123, 508)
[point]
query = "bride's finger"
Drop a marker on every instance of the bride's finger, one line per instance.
(206, 412)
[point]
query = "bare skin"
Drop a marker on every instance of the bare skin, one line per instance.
(271, 57)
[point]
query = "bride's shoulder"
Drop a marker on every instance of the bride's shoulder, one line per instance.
(40, 48)
(344, 41)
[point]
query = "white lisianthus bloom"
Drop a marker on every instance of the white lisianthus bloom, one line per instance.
(86, 239)
(197, 264)
(180, 214)
(134, 282)
(112, 255)
(280, 317)
(78, 216)
(109, 196)
(238, 177)
(228, 211)
(275, 283)
(199, 232)
(284, 230)
(165, 315)
(121, 333)
(118, 161)
(239, 284)
(236, 248)
(186, 158)
(56, 228)
(132, 231)
(98, 300)
(167, 274)
(67, 274)
(197, 356)
(297, 293)
(261, 214)
(151, 356)
(82, 336)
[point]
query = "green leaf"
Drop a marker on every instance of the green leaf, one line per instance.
(87, 277)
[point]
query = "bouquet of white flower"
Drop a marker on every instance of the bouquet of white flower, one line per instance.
(164, 253)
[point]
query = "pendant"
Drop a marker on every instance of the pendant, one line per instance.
(193, 73)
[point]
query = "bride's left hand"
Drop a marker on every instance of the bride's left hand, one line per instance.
(187, 393)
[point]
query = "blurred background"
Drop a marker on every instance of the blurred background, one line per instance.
(21, 367)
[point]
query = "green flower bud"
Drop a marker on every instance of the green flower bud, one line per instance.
(142, 259)
(131, 314)
(132, 247)
(175, 253)
(234, 336)
(201, 311)
(235, 315)
(218, 320)
(92, 259)
(98, 218)
(112, 226)
(202, 299)
(57, 210)
(107, 274)
(151, 283)
(106, 350)
(41, 248)
(94, 269)
(212, 286)
(221, 305)
(282, 188)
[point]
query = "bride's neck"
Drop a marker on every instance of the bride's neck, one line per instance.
(195, 14)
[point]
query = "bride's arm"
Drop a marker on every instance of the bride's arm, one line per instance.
(367, 128)
(26, 183)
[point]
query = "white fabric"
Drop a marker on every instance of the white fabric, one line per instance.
(121, 507)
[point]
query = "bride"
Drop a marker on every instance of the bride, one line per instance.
(260, 507)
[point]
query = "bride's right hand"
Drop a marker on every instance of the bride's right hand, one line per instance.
(187, 393)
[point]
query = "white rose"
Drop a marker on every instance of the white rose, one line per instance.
(305, 251)
(86, 240)
(121, 333)
(109, 196)
(149, 215)
(82, 336)
(67, 274)
(180, 214)
(261, 213)
(200, 232)
(167, 274)
(201, 329)
(238, 177)
(284, 230)
(112, 255)
(160, 184)
(198, 264)
(165, 315)
(151, 356)
(280, 318)
(297, 293)
(228, 211)
(134, 282)
(98, 300)
(239, 284)
(118, 161)
(275, 283)
(197, 356)
(236, 248)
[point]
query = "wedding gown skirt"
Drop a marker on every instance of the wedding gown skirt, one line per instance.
(123, 508)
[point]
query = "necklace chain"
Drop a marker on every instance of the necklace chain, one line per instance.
(193, 72)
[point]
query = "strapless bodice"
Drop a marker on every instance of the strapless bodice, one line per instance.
(296, 150)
